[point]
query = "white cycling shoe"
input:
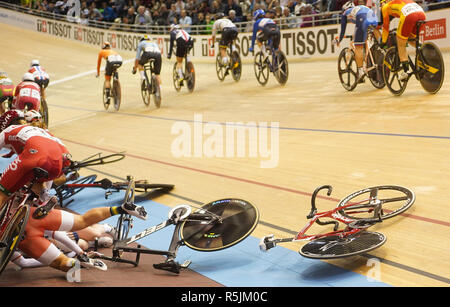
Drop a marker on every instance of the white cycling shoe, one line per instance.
(137, 211)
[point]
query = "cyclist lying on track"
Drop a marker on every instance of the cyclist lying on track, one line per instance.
(36, 147)
(229, 34)
(184, 44)
(113, 59)
(362, 17)
(147, 50)
(265, 29)
(409, 13)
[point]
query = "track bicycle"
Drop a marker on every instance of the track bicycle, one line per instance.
(14, 217)
(373, 63)
(188, 73)
(212, 227)
(149, 85)
(115, 92)
(276, 62)
(358, 211)
(427, 67)
(234, 65)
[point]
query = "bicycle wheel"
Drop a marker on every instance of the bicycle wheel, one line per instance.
(176, 83)
(64, 192)
(106, 100)
(237, 220)
(144, 186)
(390, 200)
(44, 111)
(97, 161)
(145, 91)
(347, 69)
(375, 70)
(431, 67)
(335, 247)
(12, 235)
(391, 69)
(117, 94)
(156, 92)
(281, 71)
(236, 66)
(190, 72)
(261, 68)
(220, 69)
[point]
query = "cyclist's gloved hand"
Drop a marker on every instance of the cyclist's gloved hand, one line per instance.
(96, 75)
(133, 71)
(250, 49)
(212, 46)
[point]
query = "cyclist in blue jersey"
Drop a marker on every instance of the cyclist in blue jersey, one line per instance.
(265, 29)
(362, 17)
(147, 50)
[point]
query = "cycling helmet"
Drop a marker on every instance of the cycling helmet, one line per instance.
(145, 38)
(32, 116)
(174, 27)
(34, 63)
(258, 14)
(348, 5)
(219, 15)
(106, 45)
(3, 75)
(9, 117)
(27, 77)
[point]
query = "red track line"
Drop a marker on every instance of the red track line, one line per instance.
(420, 218)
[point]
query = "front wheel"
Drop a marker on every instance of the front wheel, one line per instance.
(220, 224)
(347, 69)
(336, 247)
(220, 69)
(391, 70)
(44, 112)
(145, 91)
(374, 203)
(175, 77)
(261, 67)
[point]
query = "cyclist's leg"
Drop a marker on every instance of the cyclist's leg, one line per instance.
(140, 64)
(157, 67)
(224, 41)
(359, 41)
(108, 74)
(180, 54)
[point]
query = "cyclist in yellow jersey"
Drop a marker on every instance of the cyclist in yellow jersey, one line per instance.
(409, 13)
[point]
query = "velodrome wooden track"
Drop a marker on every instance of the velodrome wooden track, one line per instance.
(350, 140)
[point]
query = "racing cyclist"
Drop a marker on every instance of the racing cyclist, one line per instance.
(265, 29)
(229, 33)
(113, 60)
(147, 50)
(27, 94)
(184, 44)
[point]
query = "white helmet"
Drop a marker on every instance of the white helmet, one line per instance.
(28, 77)
(34, 63)
(174, 27)
(348, 5)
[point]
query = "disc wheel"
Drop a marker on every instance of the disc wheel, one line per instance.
(391, 70)
(347, 69)
(236, 66)
(431, 68)
(282, 69)
(117, 94)
(383, 202)
(336, 247)
(261, 69)
(190, 72)
(233, 221)
(156, 92)
(376, 73)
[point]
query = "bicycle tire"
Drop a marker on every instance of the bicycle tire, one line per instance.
(238, 220)
(387, 212)
(145, 93)
(431, 81)
(334, 247)
(236, 70)
(98, 161)
(376, 75)
(12, 235)
(143, 186)
(220, 69)
(156, 92)
(261, 69)
(176, 83)
(44, 111)
(117, 94)
(190, 72)
(282, 71)
(391, 69)
(64, 192)
(346, 70)
(105, 98)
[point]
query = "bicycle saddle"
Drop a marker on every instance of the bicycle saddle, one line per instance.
(40, 173)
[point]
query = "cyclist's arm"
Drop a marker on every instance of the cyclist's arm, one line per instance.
(255, 30)
(172, 39)
(343, 27)
(99, 62)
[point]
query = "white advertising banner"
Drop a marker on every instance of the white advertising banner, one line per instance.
(298, 43)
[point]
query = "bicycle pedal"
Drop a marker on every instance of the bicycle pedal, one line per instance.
(186, 264)
(171, 266)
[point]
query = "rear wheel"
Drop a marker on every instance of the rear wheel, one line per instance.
(117, 94)
(236, 66)
(431, 68)
(12, 235)
(44, 111)
(64, 192)
(336, 247)
(190, 72)
(219, 225)
(281, 71)
(375, 70)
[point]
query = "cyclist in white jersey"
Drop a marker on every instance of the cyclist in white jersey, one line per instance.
(229, 33)
(184, 44)
(147, 50)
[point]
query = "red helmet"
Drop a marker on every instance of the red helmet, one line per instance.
(8, 117)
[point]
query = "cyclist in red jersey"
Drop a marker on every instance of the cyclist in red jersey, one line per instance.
(36, 147)
(27, 93)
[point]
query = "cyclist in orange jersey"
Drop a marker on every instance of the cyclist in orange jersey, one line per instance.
(409, 13)
(113, 60)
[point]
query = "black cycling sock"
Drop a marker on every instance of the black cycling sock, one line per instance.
(405, 66)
